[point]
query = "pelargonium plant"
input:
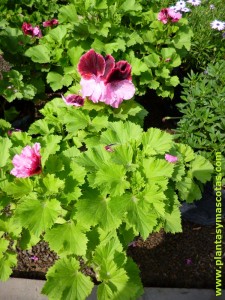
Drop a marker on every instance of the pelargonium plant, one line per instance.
(87, 180)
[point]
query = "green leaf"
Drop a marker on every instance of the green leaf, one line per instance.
(94, 158)
(167, 52)
(141, 217)
(68, 14)
(27, 240)
(65, 281)
(38, 216)
(130, 5)
(174, 80)
(57, 81)
(154, 194)
(75, 120)
(39, 127)
(6, 263)
(39, 54)
(153, 84)
(157, 168)
(52, 184)
(50, 146)
(123, 155)
(115, 283)
(54, 164)
(75, 53)
(3, 247)
(201, 169)
(121, 133)
(101, 4)
(138, 66)
(5, 145)
(173, 221)
(70, 239)
(95, 209)
(98, 123)
(186, 151)
(111, 178)
(19, 187)
(188, 190)
(58, 33)
(156, 141)
(182, 39)
(152, 60)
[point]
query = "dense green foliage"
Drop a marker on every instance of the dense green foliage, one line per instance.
(202, 125)
(89, 203)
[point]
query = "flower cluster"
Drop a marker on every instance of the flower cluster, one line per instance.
(168, 14)
(28, 29)
(104, 80)
(182, 5)
(28, 163)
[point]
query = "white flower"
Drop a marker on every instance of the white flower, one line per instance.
(212, 6)
(180, 5)
(185, 9)
(194, 2)
(219, 25)
(174, 8)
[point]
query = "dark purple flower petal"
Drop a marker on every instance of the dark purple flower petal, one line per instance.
(109, 65)
(91, 63)
(74, 100)
(121, 71)
(50, 23)
(27, 28)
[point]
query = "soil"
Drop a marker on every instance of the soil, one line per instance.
(181, 260)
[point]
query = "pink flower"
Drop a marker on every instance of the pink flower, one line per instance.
(103, 80)
(188, 261)
(37, 32)
(34, 258)
(168, 14)
(171, 158)
(13, 130)
(50, 23)
(109, 148)
(73, 99)
(28, 163)
(29, 30)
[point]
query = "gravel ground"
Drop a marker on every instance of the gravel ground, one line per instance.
(182, 260)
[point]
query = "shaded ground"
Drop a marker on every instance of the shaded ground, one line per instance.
(183, 260)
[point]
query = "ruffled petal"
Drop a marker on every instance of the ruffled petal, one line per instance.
(92, 88)
(118, 91)
(109, 65)
(121, 71)
(73, 99)
(91, 63)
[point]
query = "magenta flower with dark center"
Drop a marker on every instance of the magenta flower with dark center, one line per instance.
(168, 14)
(50, 23)
(28, 29)
(28, 163)
(73, 99)
(103, 80)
